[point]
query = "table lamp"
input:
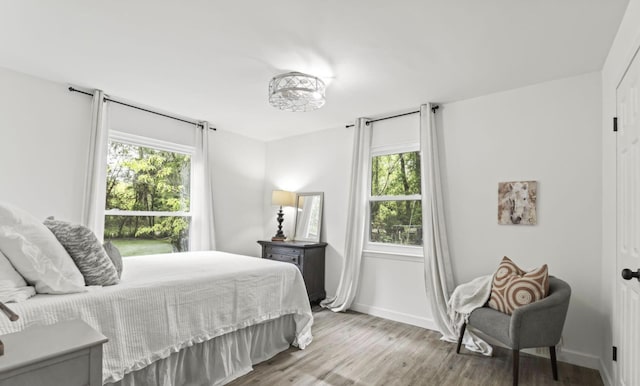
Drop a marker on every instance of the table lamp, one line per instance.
(281, 198)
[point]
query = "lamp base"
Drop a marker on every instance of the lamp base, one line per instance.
(279, 234)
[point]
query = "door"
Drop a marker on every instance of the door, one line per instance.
(628, 227)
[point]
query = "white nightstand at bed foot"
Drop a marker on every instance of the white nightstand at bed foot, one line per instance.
(65, 354)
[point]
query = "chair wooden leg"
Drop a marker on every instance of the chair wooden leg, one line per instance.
(462, 329)
(554, 362)
(516, 362)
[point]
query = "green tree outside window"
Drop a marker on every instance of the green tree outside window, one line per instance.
(395, 205)
(152, 189)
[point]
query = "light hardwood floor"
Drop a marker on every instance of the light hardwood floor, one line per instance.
(357, 349)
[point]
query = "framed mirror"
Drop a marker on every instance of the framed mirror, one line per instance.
(308, 217)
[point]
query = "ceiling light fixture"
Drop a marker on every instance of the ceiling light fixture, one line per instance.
(295, 91)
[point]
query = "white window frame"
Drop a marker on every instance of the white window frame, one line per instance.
(384, 250)
(156, 144)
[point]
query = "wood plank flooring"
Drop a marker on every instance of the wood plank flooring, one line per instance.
(357, 349)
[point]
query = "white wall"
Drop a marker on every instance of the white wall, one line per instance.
(393, 287)
(238, 185)
(624, 46)
(548, 132)
(43, 153)
(317, 162)
(43, 157)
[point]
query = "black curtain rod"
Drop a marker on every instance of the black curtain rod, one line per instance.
(140, 108)
(434, 108)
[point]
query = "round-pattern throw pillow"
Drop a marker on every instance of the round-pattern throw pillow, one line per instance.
(512, 287)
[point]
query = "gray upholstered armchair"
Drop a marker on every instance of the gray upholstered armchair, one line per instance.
(538, 324)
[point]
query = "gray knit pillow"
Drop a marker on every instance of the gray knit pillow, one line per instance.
(86, 251)
(114, 255)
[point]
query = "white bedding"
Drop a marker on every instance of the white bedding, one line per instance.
(171, 301)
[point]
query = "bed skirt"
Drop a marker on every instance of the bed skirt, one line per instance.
(219, 360)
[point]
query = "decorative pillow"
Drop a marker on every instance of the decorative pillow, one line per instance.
(13, 288)
(86, 251)
(114, 255)
(512, 287)
(36, 253)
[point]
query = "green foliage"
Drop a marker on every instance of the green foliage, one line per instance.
(397, 220)
(395, 174)
(144, 179)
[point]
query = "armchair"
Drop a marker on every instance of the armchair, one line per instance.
(538, 324)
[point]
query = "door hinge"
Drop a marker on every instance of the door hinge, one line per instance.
(615, 124)
(615, 354)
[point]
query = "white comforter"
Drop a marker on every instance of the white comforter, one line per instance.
(170, 301)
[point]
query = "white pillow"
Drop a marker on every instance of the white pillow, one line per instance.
(36, 253)
(13, 288)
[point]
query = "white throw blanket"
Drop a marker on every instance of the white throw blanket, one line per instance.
(466, 298)
(167, 302)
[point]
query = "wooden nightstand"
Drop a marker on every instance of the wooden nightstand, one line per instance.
(62, 354)
(307, 256)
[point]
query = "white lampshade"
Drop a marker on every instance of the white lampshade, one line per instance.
(283, 198)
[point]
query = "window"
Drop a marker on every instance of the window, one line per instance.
(148, 191)
(395, 206)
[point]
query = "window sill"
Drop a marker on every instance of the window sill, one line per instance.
(400, 256)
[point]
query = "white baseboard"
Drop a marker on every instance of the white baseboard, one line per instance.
(604, 374)
(564, 354)
(402, 317)
(579, 358)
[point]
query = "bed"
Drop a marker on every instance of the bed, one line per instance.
(185, 318)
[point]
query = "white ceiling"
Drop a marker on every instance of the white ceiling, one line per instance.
(212, 60)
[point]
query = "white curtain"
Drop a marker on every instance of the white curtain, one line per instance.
(202, 225)
(437, 263)
(356, 217)
(95, 179)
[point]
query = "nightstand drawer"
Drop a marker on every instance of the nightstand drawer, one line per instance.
(66, 353)
(69, 370)
(284, 251)
(308, 257)
(286, 258)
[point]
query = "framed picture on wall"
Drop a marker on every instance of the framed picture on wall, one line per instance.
(517, 202)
